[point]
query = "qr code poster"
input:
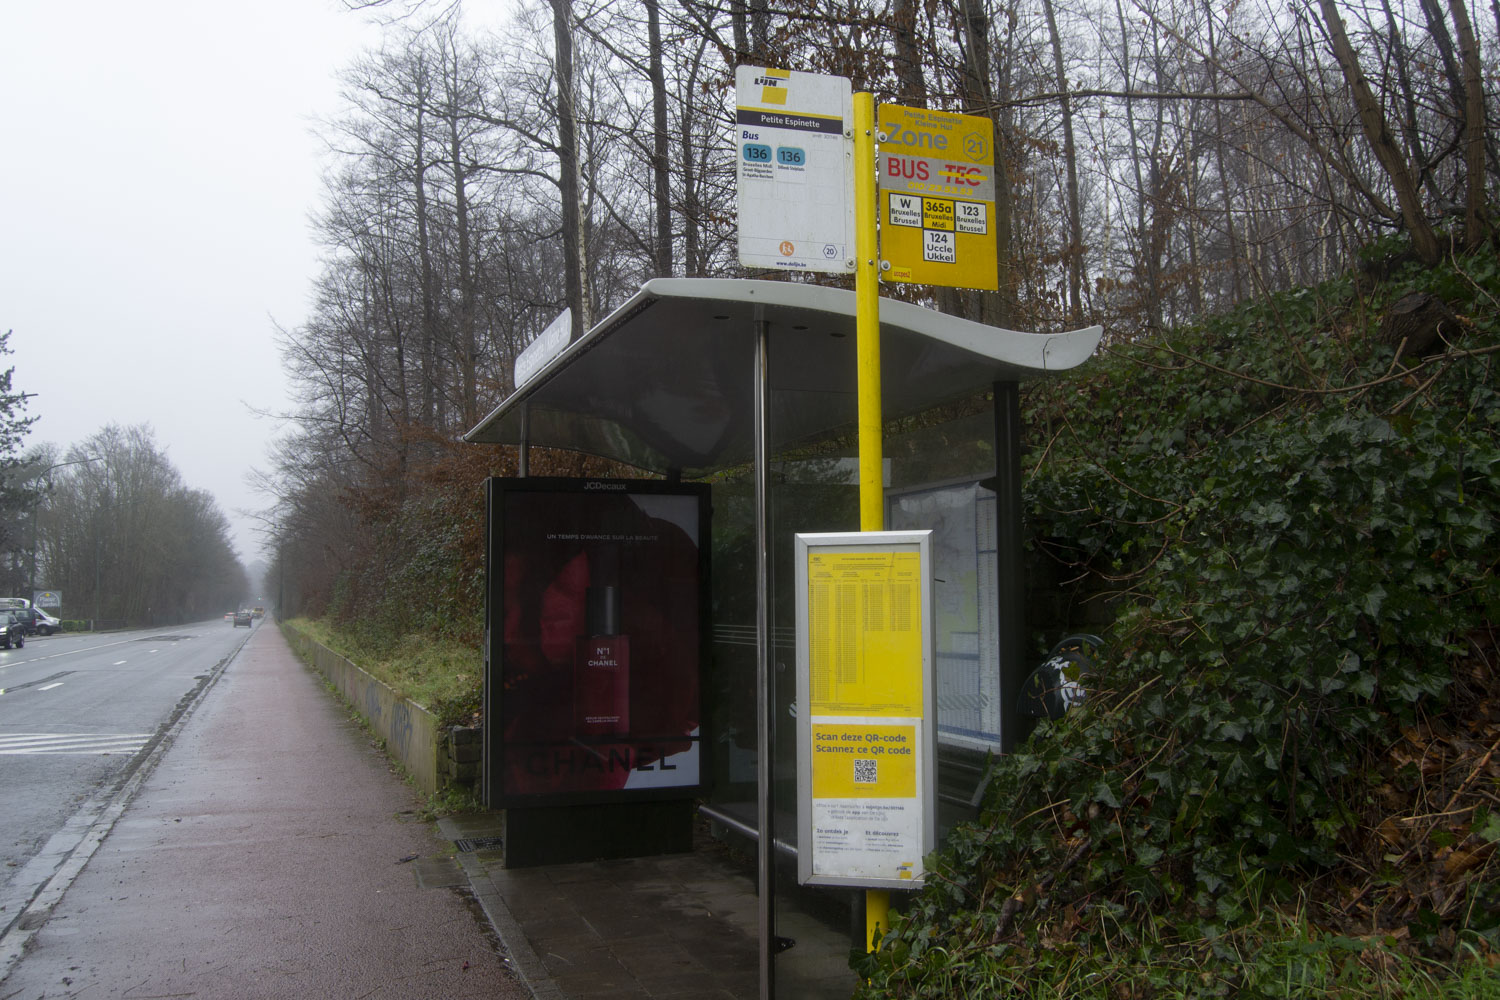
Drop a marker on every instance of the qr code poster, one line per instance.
(866, 815)
(864, 761)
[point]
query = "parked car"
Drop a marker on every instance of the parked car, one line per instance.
(45, 623)
(12, 631)
(26, 618)
(243, 618)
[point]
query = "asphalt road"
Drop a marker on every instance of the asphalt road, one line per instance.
(77, 713)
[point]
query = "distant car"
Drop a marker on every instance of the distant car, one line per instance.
(244, 618)
(27, 618)
(12, 631)
(45, 623)
(258, 612)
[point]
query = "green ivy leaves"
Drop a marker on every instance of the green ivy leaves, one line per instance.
(1298, 543)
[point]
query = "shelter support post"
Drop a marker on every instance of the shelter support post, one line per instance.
(1009, 567)
(765, 736)
(523, 460)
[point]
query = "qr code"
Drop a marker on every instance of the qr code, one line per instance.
(864, 770)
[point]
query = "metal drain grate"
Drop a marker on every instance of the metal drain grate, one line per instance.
(468, 844)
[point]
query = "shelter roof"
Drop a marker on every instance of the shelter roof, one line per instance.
(667, 381)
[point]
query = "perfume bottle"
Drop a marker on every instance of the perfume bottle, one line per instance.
(601, 669)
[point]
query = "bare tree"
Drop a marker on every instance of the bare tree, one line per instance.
(1377, 133)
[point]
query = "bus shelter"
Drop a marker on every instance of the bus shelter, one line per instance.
(749, 387)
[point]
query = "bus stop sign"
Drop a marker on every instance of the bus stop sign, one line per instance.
(794, 170)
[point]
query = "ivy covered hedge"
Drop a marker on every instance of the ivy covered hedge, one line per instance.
(1285, 778)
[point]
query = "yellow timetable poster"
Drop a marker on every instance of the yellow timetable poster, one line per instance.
(865, 754)
(866, 813)
(865, 633)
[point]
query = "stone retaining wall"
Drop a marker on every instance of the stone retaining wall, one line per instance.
(411, 733)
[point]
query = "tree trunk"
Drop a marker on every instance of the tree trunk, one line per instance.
(1416, 324)
(1153, 274)
(660, 162)
(1220, 141)
(978, 99)
(1073, 257)
(428, 362)
(760, 34)
(1372, 121)
(911, 87)
(691, 209)
(1410, 125)
(1476, 208)
(567, 158)
(739, 24)
(468, 347)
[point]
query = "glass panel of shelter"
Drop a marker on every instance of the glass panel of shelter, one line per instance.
(934, 467)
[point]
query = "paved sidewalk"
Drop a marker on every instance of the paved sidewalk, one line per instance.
(263, 859)
(673, 927)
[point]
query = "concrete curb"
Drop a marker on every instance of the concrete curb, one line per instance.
(524, 961)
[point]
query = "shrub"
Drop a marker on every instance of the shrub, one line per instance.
(1280, 778)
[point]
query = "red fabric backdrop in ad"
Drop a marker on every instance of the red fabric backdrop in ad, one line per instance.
(562, 550)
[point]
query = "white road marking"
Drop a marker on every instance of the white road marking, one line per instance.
(16, 744)
(49, 687)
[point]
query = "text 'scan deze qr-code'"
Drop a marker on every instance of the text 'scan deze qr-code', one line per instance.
(864, 770)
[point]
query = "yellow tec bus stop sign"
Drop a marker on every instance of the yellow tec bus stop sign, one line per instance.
(937, 198)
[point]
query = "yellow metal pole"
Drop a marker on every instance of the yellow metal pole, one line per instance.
(867, 319)
(867, 350)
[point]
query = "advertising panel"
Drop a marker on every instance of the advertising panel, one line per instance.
(866, 759)
(595, 638)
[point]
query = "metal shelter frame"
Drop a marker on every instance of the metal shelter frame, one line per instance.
(679, 381)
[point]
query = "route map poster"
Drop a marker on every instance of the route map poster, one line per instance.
(595, 639)
(864, 667)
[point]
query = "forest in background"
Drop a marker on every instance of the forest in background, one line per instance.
(109, 524)
(1157, 161)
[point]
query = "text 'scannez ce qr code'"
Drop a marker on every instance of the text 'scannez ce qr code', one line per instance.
(864, 770)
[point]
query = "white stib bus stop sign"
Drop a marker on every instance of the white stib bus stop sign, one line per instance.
(794, 170)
